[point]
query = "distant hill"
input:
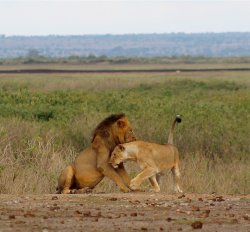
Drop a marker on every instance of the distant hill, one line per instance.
(131, 45)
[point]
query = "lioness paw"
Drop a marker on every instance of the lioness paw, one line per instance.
(125, 190)
(178, 190)
(154, 190)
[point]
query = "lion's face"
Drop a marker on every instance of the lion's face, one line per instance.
(117, 156)
(123, 131)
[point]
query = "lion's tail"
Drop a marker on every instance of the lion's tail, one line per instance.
(171, 133)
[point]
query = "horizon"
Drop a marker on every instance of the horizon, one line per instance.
(127, 34)
(118, 17)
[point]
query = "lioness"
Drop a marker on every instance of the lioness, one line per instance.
(152, 158)
(92, 164)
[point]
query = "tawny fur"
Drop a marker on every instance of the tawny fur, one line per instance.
(152, 158)
(92, 164)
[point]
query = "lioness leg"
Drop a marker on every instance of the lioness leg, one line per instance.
(145, 174)
(65, 180)
(176, 176)
(158, 177)
(154, 183)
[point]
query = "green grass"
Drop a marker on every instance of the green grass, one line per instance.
(47, 119)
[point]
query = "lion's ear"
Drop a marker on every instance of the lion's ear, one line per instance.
(121, 123)
(121, 147)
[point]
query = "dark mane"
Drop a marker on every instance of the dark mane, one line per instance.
(107, 122)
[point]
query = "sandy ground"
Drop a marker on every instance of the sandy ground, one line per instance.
(125, 212)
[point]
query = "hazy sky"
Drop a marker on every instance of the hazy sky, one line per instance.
(43, 17)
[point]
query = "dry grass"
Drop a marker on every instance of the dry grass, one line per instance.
(213, 138)
(31, 163)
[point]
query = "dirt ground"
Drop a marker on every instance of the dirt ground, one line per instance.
(125, 212)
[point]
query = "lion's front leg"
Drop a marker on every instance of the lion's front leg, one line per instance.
(123, 174)
(106, 169)
(109, 171)
(103, 165)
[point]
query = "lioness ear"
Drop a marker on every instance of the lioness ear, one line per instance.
(121, 147)
(121, 123)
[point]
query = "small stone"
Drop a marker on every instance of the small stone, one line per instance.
(197, 225)
(29, 214)
(205, 214)
(87, 214)
(195, 208)
(246, 217)
(181, 196)
(169, 219)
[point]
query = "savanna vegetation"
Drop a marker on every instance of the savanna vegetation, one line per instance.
(34, 59)
(47, 119)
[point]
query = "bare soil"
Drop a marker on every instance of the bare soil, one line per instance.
(125, 212)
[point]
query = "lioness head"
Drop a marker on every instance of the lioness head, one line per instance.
(118, 155)
(122, 131)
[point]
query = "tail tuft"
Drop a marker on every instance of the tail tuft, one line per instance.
(178, 118)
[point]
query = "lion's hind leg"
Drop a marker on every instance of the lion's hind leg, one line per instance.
(154, 183)
(65, 180)
(176, 176)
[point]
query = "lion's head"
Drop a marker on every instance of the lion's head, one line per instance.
(115, 129)
(118, 155)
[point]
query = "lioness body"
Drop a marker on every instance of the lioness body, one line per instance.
(152, 158)
(92, 164)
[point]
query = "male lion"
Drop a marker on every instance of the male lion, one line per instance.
(92, 164)
(152, 158)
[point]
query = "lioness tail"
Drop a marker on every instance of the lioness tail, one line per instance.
(171, 133)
